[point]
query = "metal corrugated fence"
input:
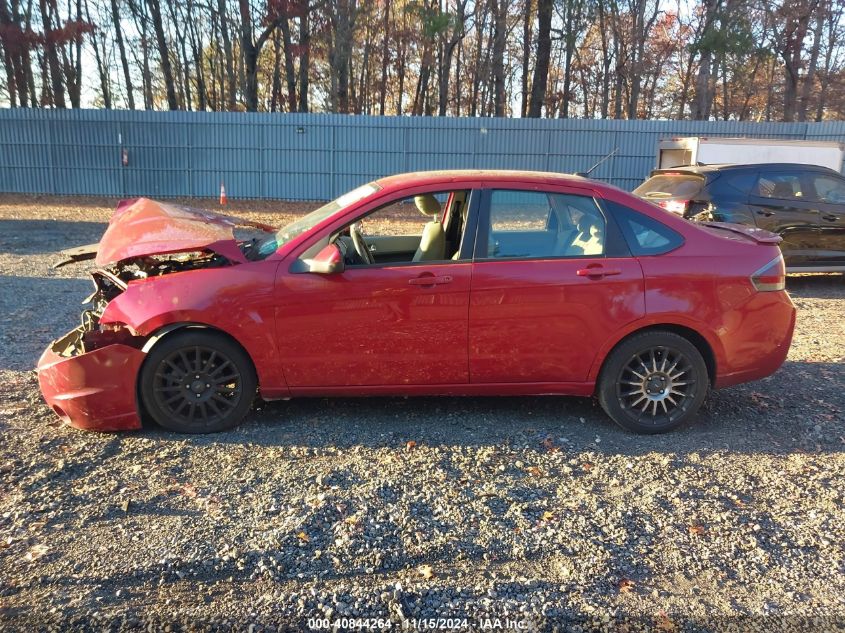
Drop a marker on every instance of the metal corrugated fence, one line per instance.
(319, 156)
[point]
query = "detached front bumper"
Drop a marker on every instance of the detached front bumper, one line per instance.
(94, 390)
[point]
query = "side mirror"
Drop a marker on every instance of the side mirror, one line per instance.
(327, 262)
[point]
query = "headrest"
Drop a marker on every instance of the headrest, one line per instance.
(427, 204)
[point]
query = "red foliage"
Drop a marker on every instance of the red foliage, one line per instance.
(72, 31)
(17, 40)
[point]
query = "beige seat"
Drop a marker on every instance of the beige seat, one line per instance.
(433, 243)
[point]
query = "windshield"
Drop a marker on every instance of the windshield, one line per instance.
(670, 186)
(269, 245)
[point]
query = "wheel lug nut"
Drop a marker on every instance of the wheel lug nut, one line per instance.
(198, 395)
(208, 386)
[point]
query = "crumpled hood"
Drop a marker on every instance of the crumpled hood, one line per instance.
(143, 227)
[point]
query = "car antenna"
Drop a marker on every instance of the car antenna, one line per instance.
(586, 174)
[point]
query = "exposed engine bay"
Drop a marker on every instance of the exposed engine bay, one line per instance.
(111, 281)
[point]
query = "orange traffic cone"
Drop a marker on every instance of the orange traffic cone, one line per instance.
(223, 198)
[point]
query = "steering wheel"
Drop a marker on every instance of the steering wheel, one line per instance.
(359, 243)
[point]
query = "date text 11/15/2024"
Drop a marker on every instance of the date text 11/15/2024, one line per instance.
(418, 624)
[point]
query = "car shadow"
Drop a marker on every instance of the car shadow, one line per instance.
(816, 285)
(36, 311)
(798, 409)
(32, 237)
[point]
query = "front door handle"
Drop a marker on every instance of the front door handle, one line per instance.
(430, 280)
(766, 213)
(830, 217)
(597, 271)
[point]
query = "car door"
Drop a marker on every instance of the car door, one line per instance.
(829, 193)
(551, 281)
(388, 324)
(780, 204)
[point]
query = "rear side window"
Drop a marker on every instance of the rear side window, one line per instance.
(644, 235)
(670, 186)
(742, 182)
(535, 224)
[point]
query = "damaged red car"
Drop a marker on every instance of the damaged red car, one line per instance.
(434, 283)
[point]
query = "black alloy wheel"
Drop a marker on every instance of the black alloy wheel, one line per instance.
(197, 381)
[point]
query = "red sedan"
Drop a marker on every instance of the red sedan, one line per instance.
(437, 283)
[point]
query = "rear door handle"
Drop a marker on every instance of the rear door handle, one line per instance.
(766, 213)
(830, 217)
(598, 271)
(430, 280)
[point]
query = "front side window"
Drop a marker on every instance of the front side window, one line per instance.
(829, 189)
(781, 186)
(534, 224)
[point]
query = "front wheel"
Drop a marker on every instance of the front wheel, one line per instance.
(653, 382)
(197, 381)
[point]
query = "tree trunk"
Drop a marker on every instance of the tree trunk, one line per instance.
(541, 67)
(304, 57)
(102, 71)
(809, 80)
(121, 47)
(231, 87)
(275, 90)
(52, 57)
(164, 54)
(290, 71)
(527, 36)
(498, 59)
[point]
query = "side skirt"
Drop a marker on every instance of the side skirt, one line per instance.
(488, 389)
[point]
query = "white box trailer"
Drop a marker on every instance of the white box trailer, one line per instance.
(742, 151)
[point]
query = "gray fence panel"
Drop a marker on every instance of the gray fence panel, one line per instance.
(319, 156)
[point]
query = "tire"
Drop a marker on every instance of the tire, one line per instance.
(214, 395)
(653, 382)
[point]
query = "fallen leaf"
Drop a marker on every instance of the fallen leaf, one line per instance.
(189, 490)
(302, 536)
(410, 445)
(587, 466)
(125, 505)
(548, 516)
(35, 552)
(626, 585)
(696, 530)
(665, 623)
(549, 445)
(533, 471)
(426, 572)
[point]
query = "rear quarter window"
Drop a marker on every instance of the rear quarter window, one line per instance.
(644, 235)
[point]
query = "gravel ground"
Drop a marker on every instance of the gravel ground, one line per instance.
(521, 512)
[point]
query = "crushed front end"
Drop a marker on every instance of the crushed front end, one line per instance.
(89, 375)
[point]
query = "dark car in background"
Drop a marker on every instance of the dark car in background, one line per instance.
(804, 204)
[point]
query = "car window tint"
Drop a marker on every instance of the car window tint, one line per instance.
(742, 182)
(644, 235)
(829, 189)
(670, 186)
(782, 186)
(538, 224)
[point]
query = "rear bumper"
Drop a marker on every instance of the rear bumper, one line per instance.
(93, 391)
(758, 340)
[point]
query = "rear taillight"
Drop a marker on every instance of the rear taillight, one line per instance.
(770, 277)
(675, 206)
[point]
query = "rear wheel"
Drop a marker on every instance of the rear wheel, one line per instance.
(197, 381)
(653, 382)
